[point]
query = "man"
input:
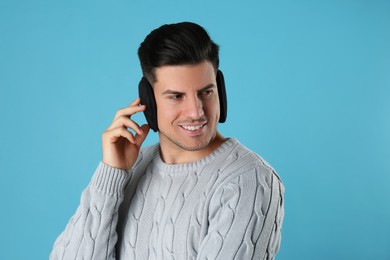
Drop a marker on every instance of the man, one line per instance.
(196, 194)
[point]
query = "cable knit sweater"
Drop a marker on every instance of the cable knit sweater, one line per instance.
(228, 205)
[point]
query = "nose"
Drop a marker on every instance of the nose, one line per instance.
(194, 108)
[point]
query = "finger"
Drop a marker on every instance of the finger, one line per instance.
(115, 134)
(124, 121)
(140, 138)
(129, 111)
(136, 102)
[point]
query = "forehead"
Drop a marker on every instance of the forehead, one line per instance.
(184, 77)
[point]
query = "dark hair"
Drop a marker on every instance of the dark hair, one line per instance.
(176, 44)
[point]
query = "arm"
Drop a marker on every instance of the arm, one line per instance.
(90, 233)
(245, 218)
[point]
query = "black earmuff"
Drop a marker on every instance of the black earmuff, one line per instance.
(146, 94)
(222, 96)
(145, 91)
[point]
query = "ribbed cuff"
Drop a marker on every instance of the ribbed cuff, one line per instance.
(109, 180)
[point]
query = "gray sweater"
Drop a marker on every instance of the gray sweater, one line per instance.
(228, 205)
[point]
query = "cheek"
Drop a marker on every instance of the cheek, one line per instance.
(165, 114)
(213, 108)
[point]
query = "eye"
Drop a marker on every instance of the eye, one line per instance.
(207, 93)
(176, 97)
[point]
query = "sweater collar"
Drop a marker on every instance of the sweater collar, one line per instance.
(194, 166)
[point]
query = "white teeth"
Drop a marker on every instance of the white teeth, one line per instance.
(192, 127)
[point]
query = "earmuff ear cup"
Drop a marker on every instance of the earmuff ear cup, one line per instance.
(145, 91)
(222, 96)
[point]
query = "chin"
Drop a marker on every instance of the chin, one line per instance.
(197, 146)
(191, 144)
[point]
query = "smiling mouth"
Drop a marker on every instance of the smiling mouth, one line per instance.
(193, 127)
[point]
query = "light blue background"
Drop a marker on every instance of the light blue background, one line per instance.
(308, 85)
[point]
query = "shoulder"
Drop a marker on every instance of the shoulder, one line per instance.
(245, 173)
(145, 157)
(241, 160)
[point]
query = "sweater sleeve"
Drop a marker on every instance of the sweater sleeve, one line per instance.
(245, 218)
(91, 232)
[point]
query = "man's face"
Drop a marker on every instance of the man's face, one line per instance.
(187, 106)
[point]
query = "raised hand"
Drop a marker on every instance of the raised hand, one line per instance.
(120, 146)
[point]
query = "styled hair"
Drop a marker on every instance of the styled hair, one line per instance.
(183, 43)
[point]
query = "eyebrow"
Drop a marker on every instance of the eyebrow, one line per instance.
(175, 92)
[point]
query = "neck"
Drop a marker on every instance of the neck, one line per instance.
(173, 154)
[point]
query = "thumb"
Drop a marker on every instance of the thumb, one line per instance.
(141, 138)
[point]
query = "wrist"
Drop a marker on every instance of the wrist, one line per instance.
(109, 180)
